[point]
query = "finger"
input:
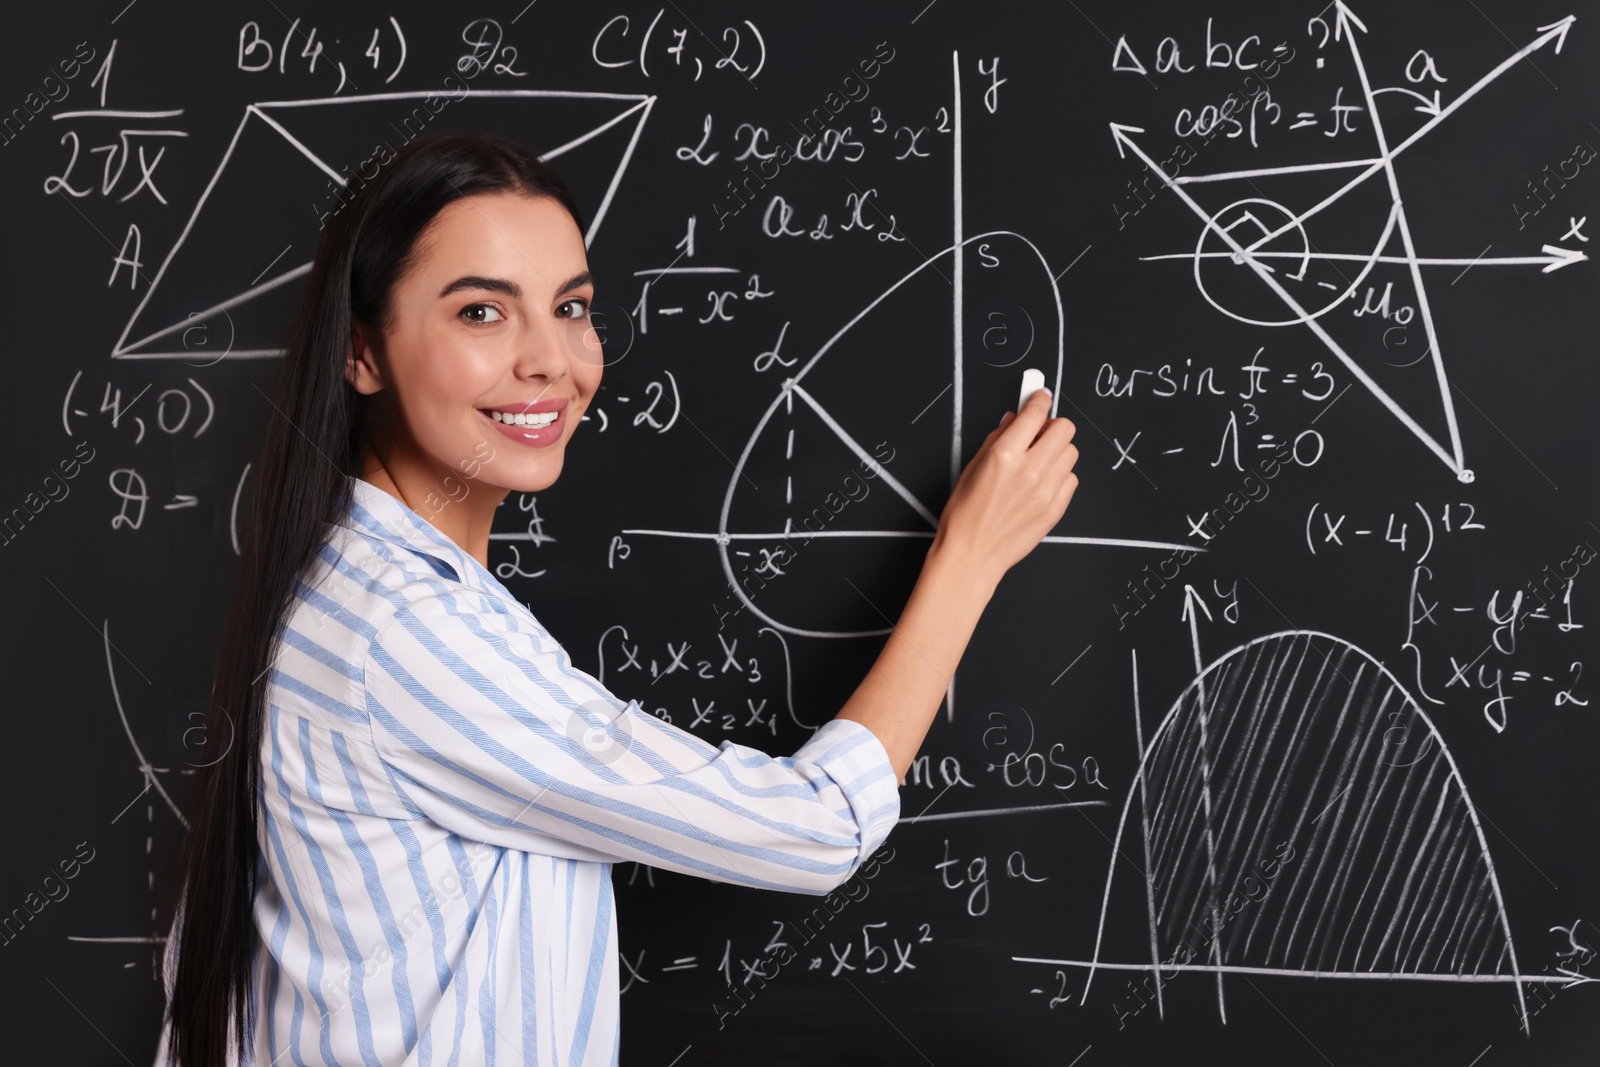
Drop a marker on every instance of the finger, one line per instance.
(1054, 441)
(1069, 487)
(1035, 412)
(1057, 454)
(1063, 426)
(1066, 465)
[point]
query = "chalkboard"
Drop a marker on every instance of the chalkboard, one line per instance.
(1279, 749)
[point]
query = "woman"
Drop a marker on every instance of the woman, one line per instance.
(404, 855)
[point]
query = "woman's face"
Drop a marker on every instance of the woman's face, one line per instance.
(492, 316)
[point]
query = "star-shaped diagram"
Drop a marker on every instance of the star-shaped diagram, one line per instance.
(1270, 241)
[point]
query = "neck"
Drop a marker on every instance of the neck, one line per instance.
(461, 508)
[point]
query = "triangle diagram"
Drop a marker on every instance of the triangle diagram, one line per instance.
(233, 278)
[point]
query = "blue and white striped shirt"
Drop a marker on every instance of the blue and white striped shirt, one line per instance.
(443, 796)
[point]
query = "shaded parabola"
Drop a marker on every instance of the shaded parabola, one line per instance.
(1282, 747)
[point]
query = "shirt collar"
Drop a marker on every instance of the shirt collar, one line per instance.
(375, 512)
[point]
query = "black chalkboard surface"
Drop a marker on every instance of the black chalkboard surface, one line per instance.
(1279, 750)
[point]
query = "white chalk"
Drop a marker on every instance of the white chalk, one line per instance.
(1032, 382)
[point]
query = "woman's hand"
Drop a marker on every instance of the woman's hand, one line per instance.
(1013, 491)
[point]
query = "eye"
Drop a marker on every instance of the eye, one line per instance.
(576, 309)
(472, 314)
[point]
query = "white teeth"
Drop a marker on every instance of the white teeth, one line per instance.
(535, 421)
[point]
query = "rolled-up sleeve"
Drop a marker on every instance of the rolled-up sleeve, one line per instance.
(486, 727)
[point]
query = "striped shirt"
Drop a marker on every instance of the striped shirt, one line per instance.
(444, 793)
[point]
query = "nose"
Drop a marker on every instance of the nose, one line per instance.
(543, 351)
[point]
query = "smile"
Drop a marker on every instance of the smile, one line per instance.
(538, 429)
(544, 418)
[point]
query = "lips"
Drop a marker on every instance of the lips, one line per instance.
(535, 435)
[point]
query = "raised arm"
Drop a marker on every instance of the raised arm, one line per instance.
(1012, 493)
(480, 721)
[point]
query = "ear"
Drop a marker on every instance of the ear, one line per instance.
(361, 365)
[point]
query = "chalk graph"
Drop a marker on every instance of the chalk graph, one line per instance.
(1300, 815)
(1256, 232)
(793, 394)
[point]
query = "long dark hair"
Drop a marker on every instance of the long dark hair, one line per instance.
(315, 430)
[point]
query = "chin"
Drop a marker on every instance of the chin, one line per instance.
(534, 478)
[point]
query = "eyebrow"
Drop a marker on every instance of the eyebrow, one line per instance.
(510, 288)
